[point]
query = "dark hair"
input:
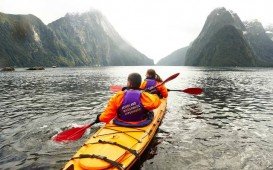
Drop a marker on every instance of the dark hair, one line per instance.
(135, 80)
(152, 74)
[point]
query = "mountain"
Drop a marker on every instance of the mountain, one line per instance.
(226, 41)
(221, 42)
(93, 40)
(260, 42)
(177, 58)
(269, 31)
(74, 40)
(226, 48)
(26, 41)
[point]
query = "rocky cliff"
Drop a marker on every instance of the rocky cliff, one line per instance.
(226, 41)
(221, 42)
(260, 42)
(74, 40)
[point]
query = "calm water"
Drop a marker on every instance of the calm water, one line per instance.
(230, 126)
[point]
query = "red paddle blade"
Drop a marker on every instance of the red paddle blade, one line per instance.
(71, 134)
(170, 78)
(195, 91)
(115, 88)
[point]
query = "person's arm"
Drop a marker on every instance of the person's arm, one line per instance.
(111, 110)
(150, 101)
(163, 91)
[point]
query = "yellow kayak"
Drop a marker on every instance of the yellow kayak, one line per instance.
(115, 147)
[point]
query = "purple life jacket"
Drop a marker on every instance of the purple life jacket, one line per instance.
(131, 109)
(150, 84)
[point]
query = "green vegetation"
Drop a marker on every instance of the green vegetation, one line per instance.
(226, 48)
(226, 41)
(74, 40)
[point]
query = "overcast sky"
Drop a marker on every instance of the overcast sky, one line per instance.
(154, 27)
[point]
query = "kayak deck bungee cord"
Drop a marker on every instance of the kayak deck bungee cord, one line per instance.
(116, 147)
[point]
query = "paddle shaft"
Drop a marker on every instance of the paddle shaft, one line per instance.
(165, 81)
(194, 90)
(175, 90)
(91, 124)
(76, 133)
(118, 88)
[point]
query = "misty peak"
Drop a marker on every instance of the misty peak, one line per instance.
(72, 14)
(253, 23)
(220, 17)
(220, 12)
(254, 26)
(269, 27)
(91, 13)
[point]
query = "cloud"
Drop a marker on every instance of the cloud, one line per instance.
(154, 27)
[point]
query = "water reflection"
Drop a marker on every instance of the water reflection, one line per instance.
(232, 121)
(227, 127)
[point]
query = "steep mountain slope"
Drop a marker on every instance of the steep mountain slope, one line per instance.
(74, 40)
(260, 42)
(226, 41)
(92, 39)
(219, 37)
(269, 31)
(26, 41)
(226, 48)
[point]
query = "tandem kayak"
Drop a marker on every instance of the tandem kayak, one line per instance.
(115, 147)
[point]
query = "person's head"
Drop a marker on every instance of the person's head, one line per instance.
(134, 80)
(151, 73)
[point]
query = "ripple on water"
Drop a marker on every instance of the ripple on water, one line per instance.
(227, 127)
